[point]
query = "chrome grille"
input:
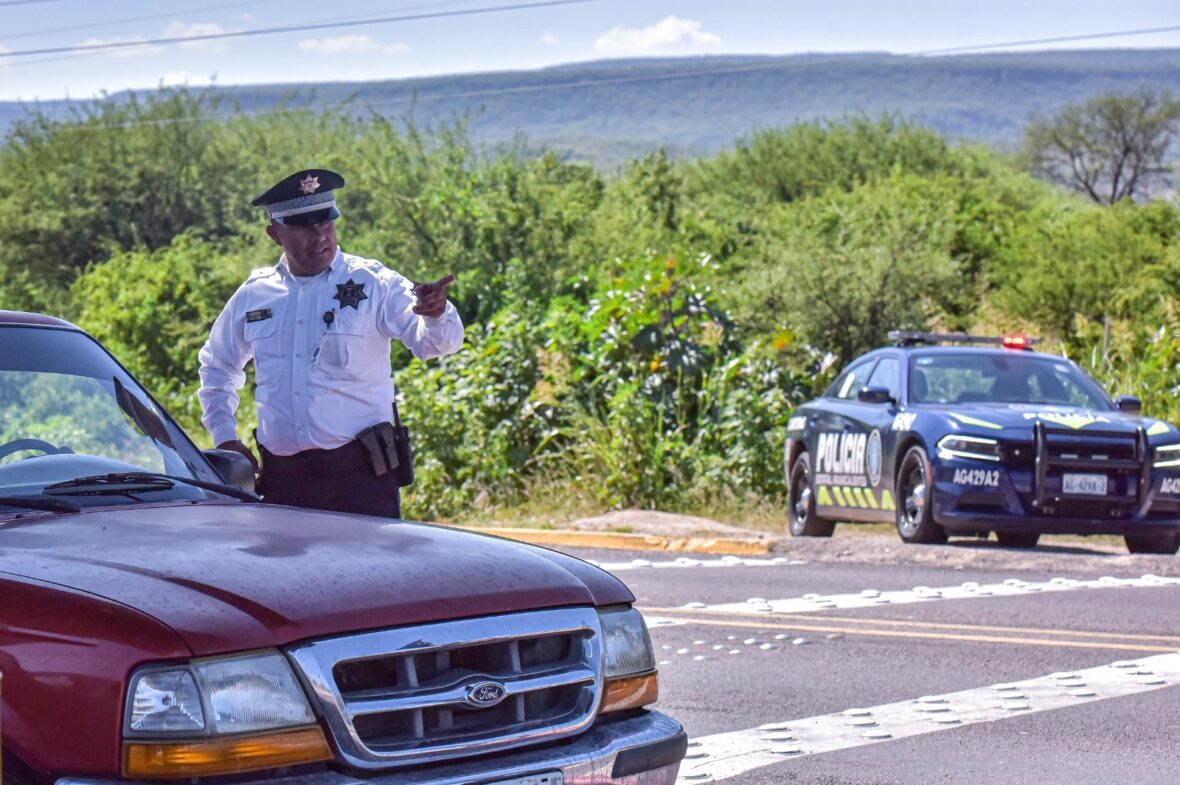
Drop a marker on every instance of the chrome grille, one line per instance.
(412, 695)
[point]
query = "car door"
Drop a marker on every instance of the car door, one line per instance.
(881, 456)
(844, 443)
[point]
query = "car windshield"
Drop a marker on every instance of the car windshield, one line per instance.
(1004, 378)
(68, 411)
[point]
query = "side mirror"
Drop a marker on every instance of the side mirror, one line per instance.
(233, 468)
(874, 395)
(1129, 404)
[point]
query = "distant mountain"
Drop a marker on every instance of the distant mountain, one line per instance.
(612, 110)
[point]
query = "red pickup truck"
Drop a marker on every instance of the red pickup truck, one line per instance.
(157, 623)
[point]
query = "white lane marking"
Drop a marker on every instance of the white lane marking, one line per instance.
(1013, 587)
(726, 755)
(687, 561)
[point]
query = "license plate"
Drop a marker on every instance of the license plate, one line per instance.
(1085, 484)
(548, 778)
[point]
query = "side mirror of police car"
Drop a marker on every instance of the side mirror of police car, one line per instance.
(874, 395)
(1129, 404)
(233, 468)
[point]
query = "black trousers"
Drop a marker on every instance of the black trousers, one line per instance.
(341, 480)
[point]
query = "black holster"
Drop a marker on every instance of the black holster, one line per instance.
(405, 456)
(387, 447)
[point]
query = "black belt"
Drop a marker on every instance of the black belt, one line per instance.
(317, 462)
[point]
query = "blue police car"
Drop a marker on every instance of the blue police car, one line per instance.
(967, 435)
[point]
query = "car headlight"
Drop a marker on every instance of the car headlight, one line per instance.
(629, 661)
(1167, 455)
(187, 720)
(976, 448)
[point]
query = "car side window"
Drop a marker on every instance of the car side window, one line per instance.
(887, 375)
(850, 382)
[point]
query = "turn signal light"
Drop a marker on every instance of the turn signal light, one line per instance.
(224, 756)
(631, 692)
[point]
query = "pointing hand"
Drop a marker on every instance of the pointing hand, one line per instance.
(432, 297)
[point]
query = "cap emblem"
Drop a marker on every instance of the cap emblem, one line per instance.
(309, 184)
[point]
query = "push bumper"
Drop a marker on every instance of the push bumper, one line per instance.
(645, 749)
(969, 495)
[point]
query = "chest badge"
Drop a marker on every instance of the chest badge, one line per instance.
(350, 294)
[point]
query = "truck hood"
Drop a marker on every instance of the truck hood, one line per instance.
(1018, 420)
(235, 576)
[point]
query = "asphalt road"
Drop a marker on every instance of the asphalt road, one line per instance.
(792, 670)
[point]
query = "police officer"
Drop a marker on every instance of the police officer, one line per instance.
(318, 326)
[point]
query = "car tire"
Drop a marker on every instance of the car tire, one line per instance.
(1155, 542)
(801, 517)
(1018, 539)
(915, 514)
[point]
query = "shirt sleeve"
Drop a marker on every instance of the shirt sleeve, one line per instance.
(223, 361)
(426, 337)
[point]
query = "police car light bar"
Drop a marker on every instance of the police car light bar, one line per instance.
(915, 337)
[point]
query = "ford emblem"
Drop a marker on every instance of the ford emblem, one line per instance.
(486, 694)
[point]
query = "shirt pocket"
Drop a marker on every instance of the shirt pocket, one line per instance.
(341, 352)
(259, 333)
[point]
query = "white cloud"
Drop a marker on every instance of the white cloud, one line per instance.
(143, 50)
(671, 32)
(549, 39)
(248, 17)
(352, 44)
(184, 79)
(183, 30)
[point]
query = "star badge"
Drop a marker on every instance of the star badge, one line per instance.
(309, 184)
(350, 294)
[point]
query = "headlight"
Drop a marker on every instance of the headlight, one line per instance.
(252, 693)
(973, 447)
(629, 662)
(189, 720)
(1167, 455)
(166, 702)
(626, 644)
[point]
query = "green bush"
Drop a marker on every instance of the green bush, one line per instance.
(153, 310)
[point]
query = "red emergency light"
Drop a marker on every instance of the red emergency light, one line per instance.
(1017, 341)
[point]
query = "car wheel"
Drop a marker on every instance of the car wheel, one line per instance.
(801, 499)
(1018, 539)
(915, 514)
(1156, 542)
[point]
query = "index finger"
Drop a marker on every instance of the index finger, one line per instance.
(430, 288)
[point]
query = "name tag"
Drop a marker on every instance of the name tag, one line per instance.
(259, 315)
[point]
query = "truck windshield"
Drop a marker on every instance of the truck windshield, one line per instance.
(67, 410)
(1004, 378)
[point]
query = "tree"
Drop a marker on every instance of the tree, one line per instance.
(1109, 148)
(847, 267)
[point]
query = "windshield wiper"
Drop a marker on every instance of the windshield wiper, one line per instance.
(39, 503)
(132, 482)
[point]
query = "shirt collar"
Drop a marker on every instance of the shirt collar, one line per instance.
(335, 266)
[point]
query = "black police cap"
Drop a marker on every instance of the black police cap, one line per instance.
(302, 198)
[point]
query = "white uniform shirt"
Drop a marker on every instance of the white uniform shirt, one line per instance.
(317, 384)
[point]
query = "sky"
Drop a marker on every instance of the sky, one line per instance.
(342, 41)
